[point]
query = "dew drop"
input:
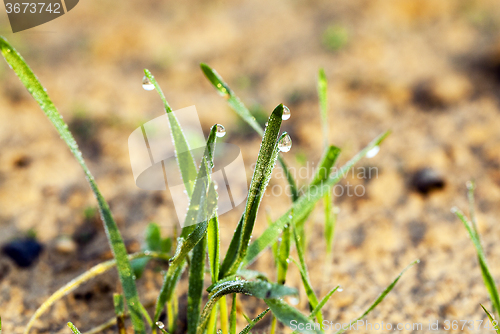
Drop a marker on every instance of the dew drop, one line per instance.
(373, 152)
(267, 123)
(294, 301)
(219, 331)
(285, 143)
(286, 113)
(221, 131)
(160, 324)
(147, 84)
(340, 289)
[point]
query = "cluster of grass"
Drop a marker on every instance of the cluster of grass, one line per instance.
(229, 275)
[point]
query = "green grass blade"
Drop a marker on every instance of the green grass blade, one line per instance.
(238, 106)
(166, 292)
(493, 321)
(232, 252)
(213, 245)
(252, 323)
(303, 206)
(380, 297)
(120, 312)
(73, 328)
(284, 254)
(232, 99)
(290, 316)
(489, 281)
(184, 157)
(322, 303)
(34, 87)
(323, 103)
(232, 319)
(261, 176)
(204, 196)
(325, 166)
(311, 296)
(195, 290)
(259, 289)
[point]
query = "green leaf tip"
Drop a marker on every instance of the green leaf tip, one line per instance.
(73, 328)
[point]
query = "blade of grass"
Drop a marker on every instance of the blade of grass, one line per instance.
(323, 103)
(311, 296)
(290, 316)
(249, 327)
(73, 328)
(303, 206)
(184, 157)
(470, 195)
(259, 289)
(195, 290)
(238, 106)
(224, 325)
(265, 163)
(213, 243)
(379, 298)
(204, 195)
(232, 320)
(34, 87)
(283, 254)
(120, 313)
(493, 321)
(489, 281)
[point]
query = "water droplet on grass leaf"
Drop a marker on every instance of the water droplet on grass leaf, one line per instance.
(285, 143)
(160, 324)
(221, 131)
(286, 113)
(147, 84)
(373, 152)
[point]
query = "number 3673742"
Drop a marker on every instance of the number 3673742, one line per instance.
(33, 8)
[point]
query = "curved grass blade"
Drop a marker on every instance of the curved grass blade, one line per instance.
(252, 323)
(265, 163)
(195, 290)
(322, 303)
(166, 292)
(379, 298)
(73, 328)
(238, 106)
(323, 102)
(85, 277)
(184, 157)
(259, 289)
(30, 81)
(493, 321)
(245, 274)
(304, 205)
(325, 165)
(311, 296)
(489, 281)
(289, 316)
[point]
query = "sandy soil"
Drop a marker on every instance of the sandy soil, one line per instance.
(429, 70)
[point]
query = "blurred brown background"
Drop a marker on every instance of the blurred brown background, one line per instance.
(429, 70)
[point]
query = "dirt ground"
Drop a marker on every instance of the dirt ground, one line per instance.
(429, 70)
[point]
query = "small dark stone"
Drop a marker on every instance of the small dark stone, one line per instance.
(22, 162)
(427, 180)
(23, 252)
